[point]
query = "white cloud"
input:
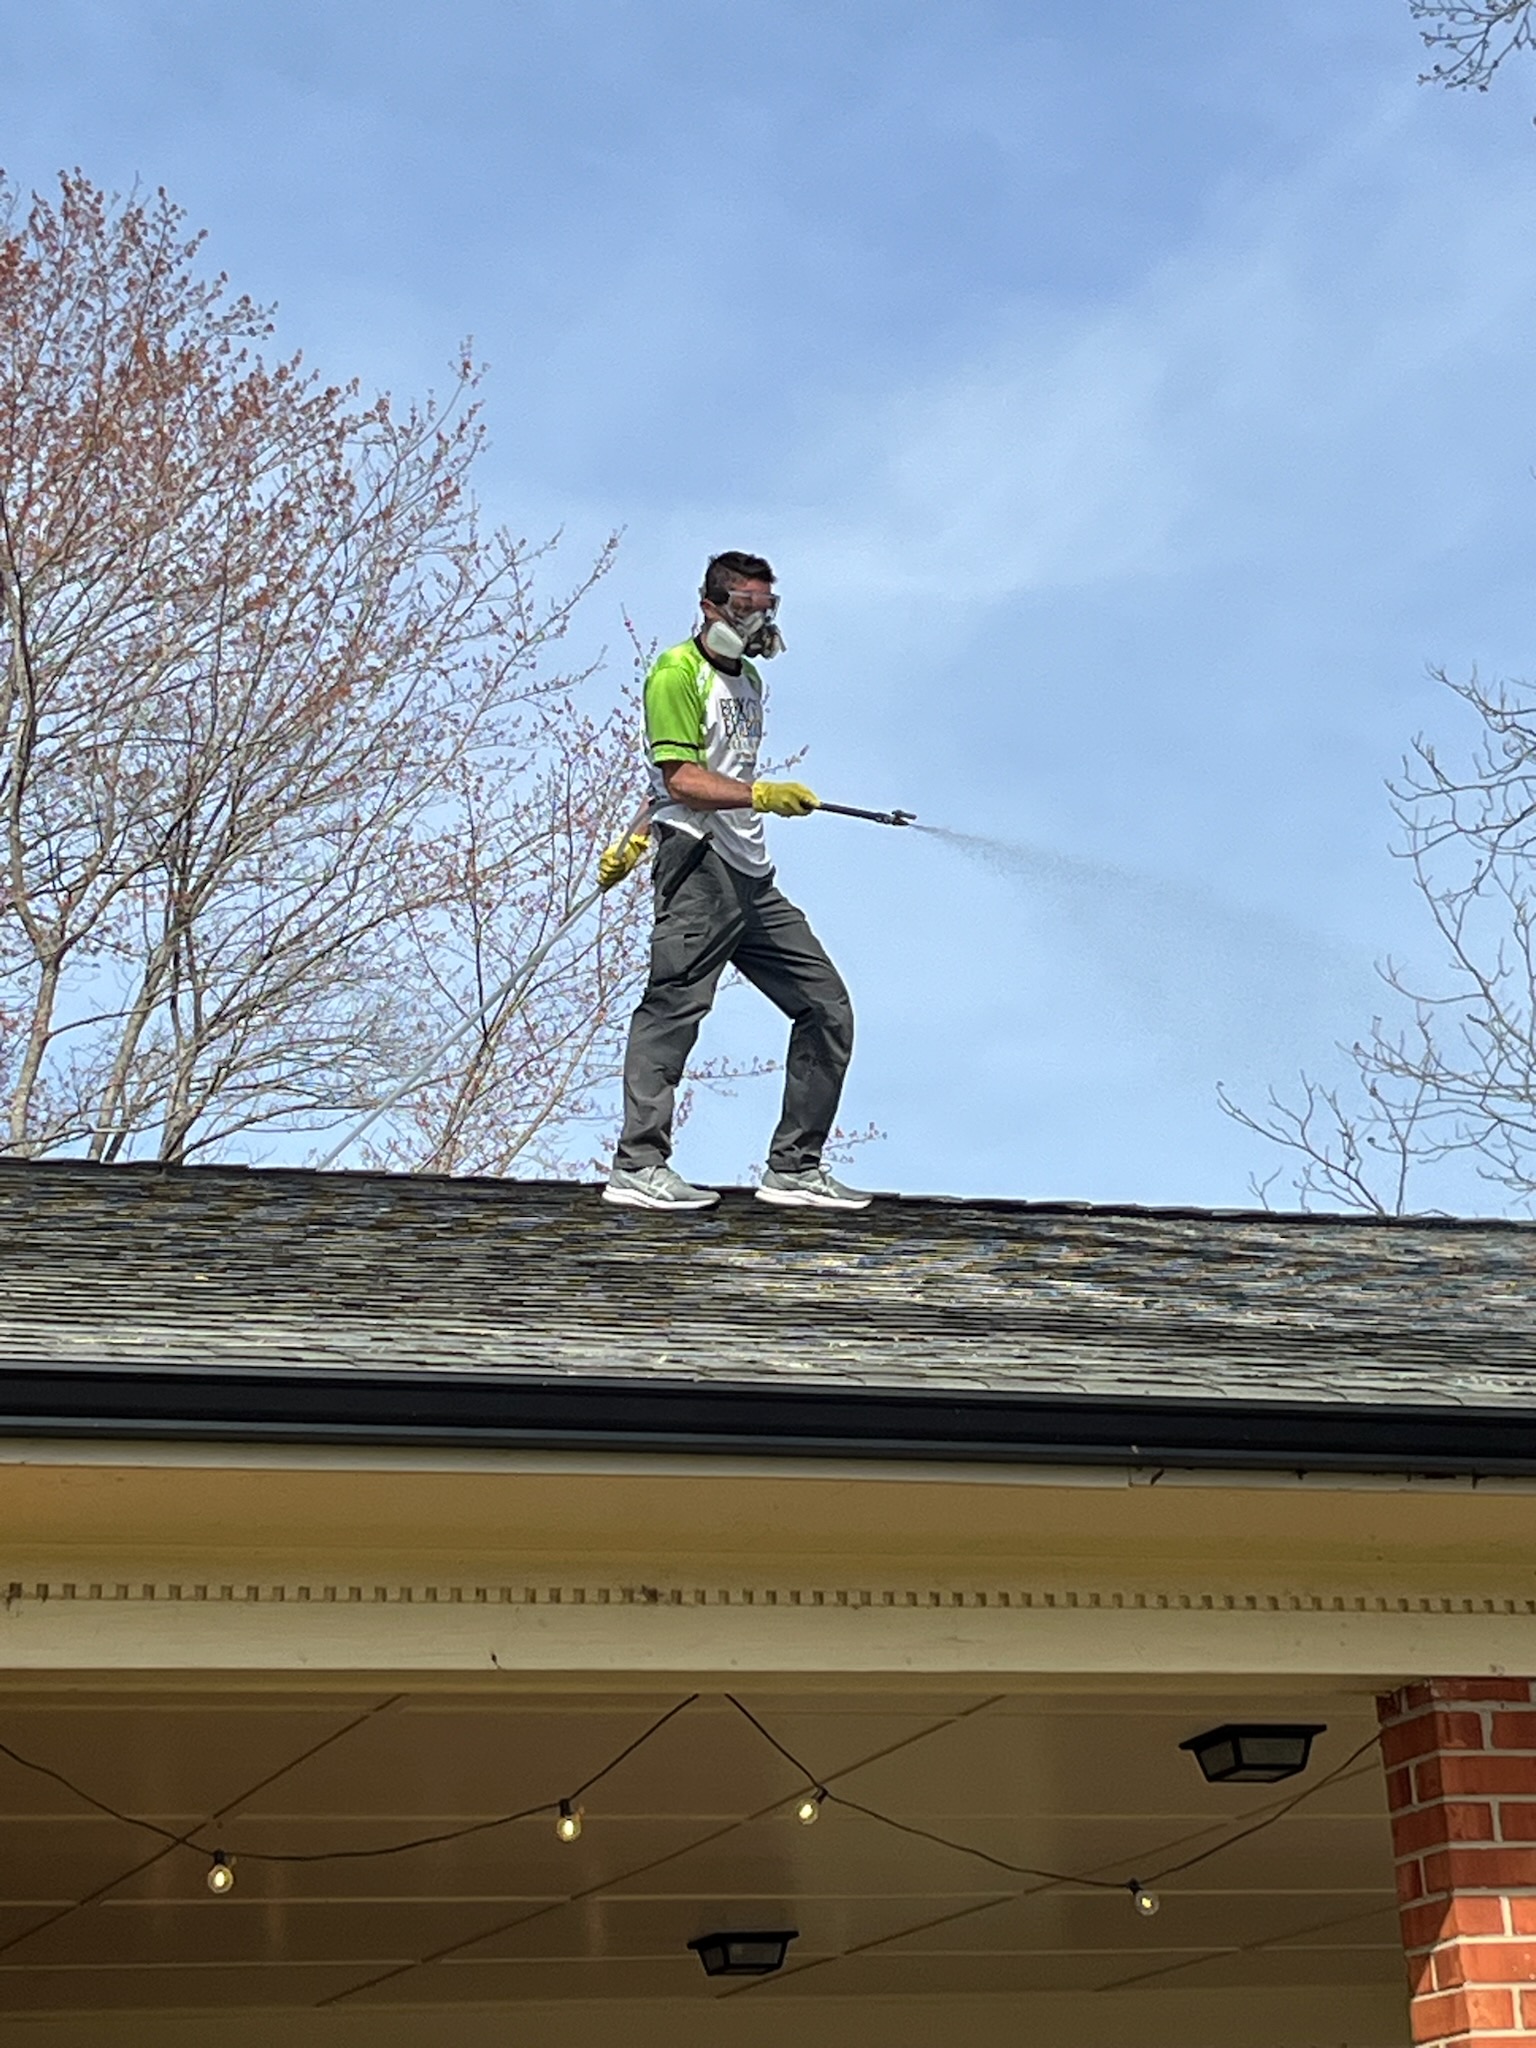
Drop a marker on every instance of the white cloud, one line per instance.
(1317, 350)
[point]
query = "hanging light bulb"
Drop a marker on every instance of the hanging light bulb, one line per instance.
(220, 1878)
(568, 1826)
(1146, 1903)
(808, 1812)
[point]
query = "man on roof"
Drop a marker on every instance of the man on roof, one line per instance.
(716, 904)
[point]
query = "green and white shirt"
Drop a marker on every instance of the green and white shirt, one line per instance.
(695, 713)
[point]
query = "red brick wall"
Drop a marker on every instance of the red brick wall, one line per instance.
(1460, 1757)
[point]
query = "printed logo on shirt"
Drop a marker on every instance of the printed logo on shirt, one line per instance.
(741, 721)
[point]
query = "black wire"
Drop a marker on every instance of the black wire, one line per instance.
(654, 1729)
(181, 1841)
(128, 1819)
(813, 1783)
(475, 1827)
(1056, 1877)
(816, 1784)
(615, 1878)
(1052, 1880)
(1277, 1813)
(1102, 1884)
(905, 1827)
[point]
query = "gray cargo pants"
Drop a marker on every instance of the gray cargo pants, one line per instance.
(709, 914)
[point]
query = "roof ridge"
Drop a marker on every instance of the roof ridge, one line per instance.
(991, 1204)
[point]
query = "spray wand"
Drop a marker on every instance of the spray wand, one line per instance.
(873, 817)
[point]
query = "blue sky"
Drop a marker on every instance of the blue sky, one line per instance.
(1133, 399)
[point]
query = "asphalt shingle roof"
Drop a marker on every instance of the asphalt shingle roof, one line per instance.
(213, 1267)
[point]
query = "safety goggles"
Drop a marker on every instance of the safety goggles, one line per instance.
(739, 606)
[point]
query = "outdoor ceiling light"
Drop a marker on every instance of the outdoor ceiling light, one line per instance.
(744, 1955)
(1253, 1753)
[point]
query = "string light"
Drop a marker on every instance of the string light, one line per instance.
(220, 1876)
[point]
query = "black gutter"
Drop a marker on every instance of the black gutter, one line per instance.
(486, 1411)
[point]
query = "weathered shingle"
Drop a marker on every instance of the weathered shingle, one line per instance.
(208, 1267)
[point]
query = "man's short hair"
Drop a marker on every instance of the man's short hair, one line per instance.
(725, 571)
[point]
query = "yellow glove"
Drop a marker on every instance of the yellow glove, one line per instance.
(622, 858)
(785, 799)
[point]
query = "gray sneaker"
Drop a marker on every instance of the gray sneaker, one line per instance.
(812, 1188)
(655, 1187)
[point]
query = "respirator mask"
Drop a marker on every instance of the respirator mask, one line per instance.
(744, 632)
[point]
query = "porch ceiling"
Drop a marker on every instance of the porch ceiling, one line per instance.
(693, 1833)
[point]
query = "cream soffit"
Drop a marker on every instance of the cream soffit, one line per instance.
(522, 1565)
(855, 1524)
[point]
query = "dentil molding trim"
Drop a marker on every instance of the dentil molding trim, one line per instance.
(374, 1591)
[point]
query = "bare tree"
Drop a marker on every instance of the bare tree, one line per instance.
(285, 778)
(1469, 39)
(1450, 1073)
(1455, 1076)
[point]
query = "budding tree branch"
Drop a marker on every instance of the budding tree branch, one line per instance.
(288, 775)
